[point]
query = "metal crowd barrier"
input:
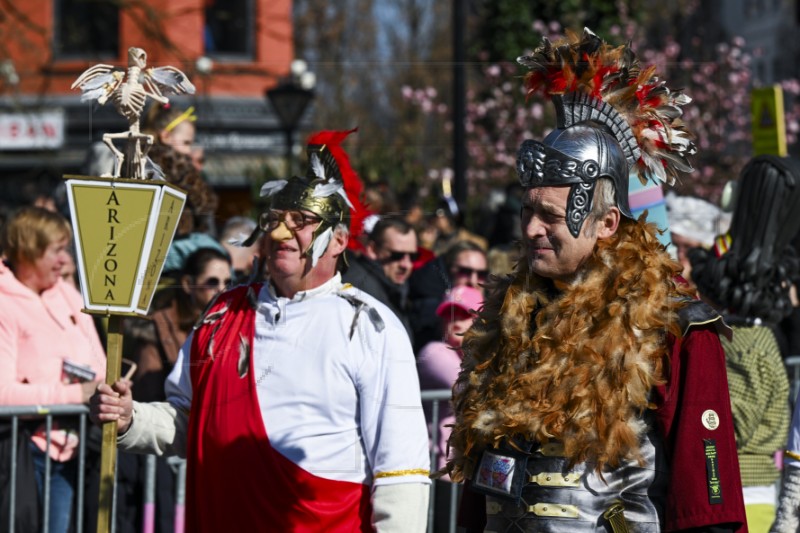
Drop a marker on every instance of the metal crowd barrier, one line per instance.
(47, 412)
(436, 397)
(793, 370)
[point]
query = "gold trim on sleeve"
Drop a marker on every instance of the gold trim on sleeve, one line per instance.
(396, 473)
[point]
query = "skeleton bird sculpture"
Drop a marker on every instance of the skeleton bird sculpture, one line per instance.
(128, 91)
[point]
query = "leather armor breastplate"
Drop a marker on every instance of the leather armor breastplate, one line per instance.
(556, 499)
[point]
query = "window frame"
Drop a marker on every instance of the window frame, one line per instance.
(250, 45)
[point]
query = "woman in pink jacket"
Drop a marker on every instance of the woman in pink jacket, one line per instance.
(42, 334)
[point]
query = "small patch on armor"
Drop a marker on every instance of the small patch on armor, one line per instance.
(502, 471)
(712, 472)
(495, 472)
(710, 419)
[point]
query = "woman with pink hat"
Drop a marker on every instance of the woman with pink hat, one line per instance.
(439, 363)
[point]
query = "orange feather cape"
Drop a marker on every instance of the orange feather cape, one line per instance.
(583, 373)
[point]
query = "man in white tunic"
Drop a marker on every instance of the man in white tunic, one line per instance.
(295, 401)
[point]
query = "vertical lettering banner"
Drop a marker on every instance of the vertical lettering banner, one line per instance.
(123, 229)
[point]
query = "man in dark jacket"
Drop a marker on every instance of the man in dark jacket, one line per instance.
(386, 265)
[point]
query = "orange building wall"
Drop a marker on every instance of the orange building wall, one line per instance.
(29, 47)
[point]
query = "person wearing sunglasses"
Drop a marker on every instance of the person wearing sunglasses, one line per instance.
(464, 264)
(469, 267)
(385, 266)
(304, 398)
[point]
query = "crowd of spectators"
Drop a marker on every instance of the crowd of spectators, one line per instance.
(423, 264)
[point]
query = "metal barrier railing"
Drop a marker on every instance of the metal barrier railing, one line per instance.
(793, 370)
(47, 412)
(436, 397)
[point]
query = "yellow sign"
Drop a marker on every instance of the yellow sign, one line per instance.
(123, 229)
(769, 124)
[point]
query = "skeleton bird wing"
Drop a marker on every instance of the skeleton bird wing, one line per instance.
(98, 82)
(170, 80)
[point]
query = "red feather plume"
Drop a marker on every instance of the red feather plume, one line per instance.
(353, 186)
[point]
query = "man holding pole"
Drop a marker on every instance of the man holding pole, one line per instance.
(295, 401)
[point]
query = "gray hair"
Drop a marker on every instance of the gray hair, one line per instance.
(603, 201)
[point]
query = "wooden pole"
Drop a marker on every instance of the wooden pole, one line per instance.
(108, 457)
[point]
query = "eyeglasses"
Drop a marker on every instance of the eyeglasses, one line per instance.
(214, 283)
(399, 256)
(295, 220)
(468, 272)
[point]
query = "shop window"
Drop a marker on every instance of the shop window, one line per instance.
(86, 29)
(229, 29)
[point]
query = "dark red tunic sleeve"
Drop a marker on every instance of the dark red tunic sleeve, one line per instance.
(702, 455)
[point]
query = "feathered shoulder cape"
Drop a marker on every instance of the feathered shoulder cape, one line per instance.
(582, 374)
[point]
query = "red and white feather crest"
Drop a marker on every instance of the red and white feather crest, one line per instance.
(613, 75)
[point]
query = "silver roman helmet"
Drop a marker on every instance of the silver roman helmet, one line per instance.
(612, 119)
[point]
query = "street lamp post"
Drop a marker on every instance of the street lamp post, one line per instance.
(289, 99)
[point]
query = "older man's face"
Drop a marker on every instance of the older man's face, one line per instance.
(551, 250)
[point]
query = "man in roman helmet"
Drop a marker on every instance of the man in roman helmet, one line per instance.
(296, 401)
(593, 394)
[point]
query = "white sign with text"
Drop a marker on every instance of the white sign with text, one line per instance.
(32, 130)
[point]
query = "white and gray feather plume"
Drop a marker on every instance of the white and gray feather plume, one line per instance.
(317, 167)
(273, 187)
(323, 190)
(328, 186)
(343, 194)
(320, 245)
(245, 241)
